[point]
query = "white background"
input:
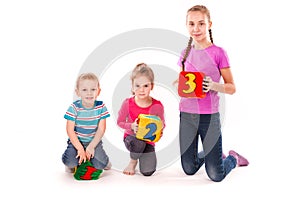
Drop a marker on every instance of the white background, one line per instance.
(44, 43)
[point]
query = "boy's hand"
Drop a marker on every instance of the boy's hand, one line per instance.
(81, 155)
(90, 152)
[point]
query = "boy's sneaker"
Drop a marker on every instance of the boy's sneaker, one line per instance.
(108, 166)
(69, 169)
(240, 160)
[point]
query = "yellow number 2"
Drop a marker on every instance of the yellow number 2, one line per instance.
(192, 85)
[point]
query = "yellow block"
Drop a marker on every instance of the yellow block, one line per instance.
(149, 128)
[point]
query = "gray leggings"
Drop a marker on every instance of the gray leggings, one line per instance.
(142, 151)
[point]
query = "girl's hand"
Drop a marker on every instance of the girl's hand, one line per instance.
(175, 83)
(81, 155)
(208, 84)
(90, 152)
(134, 126)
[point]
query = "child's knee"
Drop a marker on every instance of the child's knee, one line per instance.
(148, 173)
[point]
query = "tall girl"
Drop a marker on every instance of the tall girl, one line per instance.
(200, 116)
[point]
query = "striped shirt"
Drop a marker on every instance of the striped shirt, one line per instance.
(86, 120)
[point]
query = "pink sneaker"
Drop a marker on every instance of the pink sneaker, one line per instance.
(240, 160)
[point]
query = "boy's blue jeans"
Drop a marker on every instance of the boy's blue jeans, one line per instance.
(99, 161)
(208, 127)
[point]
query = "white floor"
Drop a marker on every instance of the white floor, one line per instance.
(242, 183)
(259, 180)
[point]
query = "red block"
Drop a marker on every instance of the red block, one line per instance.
(190, 84)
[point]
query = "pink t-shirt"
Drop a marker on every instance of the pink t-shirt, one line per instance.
(209, 61)
(129, 111)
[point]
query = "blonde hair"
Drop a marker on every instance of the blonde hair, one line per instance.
(87, 76)
(142, 69)
(205, 11)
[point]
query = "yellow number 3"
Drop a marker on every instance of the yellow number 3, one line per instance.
(192, 85)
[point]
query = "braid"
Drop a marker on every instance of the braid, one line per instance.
(210, 36)
(187, 51)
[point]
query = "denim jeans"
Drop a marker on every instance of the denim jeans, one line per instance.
(142, 151)
(208, 127)
(99, 161)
